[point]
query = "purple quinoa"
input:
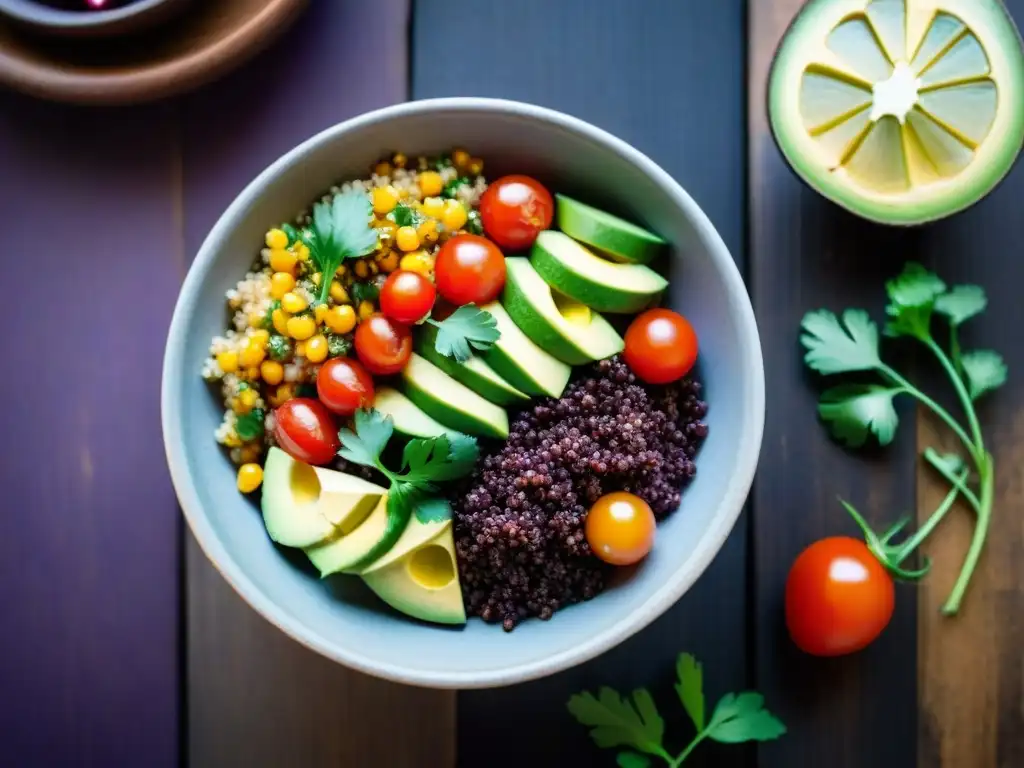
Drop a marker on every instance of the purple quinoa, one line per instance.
(519, 517)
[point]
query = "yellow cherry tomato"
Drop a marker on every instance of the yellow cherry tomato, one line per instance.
(620, 528)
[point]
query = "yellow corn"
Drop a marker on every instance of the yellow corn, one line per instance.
(302, 251)
(418, 261)
(232, 440)
(433, 206)
(427, 231)
(261, 336)
(280, 284)
(272, 372)
(362, 269)
(277, 239)
(279, 318)
(341, 319)
(399, 160)
(293, 303)
(246, 400)
(341, 271)
(455, 215)
(431, 183)
(366, 309)
(389, 263)
(316, 349)
(320, 312)
(384, 200)
(301, 328)
(386, 230)
(228, 361)
(460, 159)
(249, 452)
(252, 373)
(252, 353)
(281, 395)
(250, 476)
(316, 278)
(383, 168)
(283, 261)
(407, 239)
(255, 319)
(373, 267)
(338, 293)
(475, 166)
(300, 349)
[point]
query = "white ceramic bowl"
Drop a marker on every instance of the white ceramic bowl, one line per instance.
(338, 618)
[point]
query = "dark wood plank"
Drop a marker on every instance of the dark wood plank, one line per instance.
(89, 580)
(806, 253)
(621, 66)
(256, 698)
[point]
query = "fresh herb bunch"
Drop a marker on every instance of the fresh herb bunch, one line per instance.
(633, 721)
(465, 329)
(853, 412)
(341, 230)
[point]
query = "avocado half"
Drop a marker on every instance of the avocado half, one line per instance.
(901, 111)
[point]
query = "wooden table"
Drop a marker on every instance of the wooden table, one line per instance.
(123, 647)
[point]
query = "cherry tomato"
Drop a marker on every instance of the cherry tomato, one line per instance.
(406, 296)
(469, 270)
(305, 429)
(839, 598)
(382, 345)
(514, 209)
(661, 346)
(620, 528)
(344, 386)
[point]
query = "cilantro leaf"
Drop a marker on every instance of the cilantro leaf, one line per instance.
(853, 411)
(831, 348)
(365, 444)
(691, 688)
(417, 452)
(615, 721)
(466, 327)
(407, 216)
(632, 760)
(463, 452)
(961, 303)
(742, 717)
(474, 224)
(984, 370)
(433, 510)
(279, 348)
(451, 189)
(250, 425)
(364, 291)
(341, 230)
(337, 346)
(438, 459)
(915, 286)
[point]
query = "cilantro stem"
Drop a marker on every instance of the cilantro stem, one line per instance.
(675, 763)
(934, 407)
(961, 391)
(960, 485)
(952, 604)
(907, 548)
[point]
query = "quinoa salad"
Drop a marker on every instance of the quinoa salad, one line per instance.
(466, 394)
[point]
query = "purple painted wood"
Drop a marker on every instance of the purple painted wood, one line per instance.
(89, 580)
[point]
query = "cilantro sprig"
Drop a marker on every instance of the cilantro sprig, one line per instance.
(465, 329)
(855, 412)
(633, 721)
(341, 230)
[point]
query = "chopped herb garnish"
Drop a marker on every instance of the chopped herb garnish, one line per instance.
(279, 348)
(441, 162)
(292, 232)
(473, 223)
(341, 230)
(268, 318)
(465, 329)
(337, 346)
(364, 291)
(452, 187)
(407, 216)
(249, 426)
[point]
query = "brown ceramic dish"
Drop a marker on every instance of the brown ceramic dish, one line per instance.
(135, 16)
(203, 42)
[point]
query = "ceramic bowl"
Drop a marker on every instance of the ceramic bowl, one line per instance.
(338, 617)
(125, 19)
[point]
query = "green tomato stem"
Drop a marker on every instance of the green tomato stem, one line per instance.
(961, 391)
(934, 407)
(906, 548)
(952, 604)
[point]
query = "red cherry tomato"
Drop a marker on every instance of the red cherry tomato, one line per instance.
(406, 296)
(469, 270)
(839, 598)
(514, 209)
(344, 386)
(305, 429)
(620, 528)
(661, 346)
(383, 345)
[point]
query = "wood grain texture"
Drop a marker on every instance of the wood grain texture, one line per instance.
(257, 698)
(616, 64)
(806, 253)
(89, 580)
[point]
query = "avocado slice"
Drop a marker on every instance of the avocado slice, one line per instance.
(577, 272)
(900, 117)
(424, 582)
(474, 373)
(452, 403)
(409, 419)
(304, 505)
(567, 329)
(345, 552)
(521, 362)
(415, 535)
(616, 238)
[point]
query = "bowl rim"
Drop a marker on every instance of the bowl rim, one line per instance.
(710, 542)
(36, 13)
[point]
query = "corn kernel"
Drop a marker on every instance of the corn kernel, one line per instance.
(407, 239)
(362, 269)
(250, 477)
(249, 452)
(338, 293)
(374, 269)
(228, 361)
(281, 395)
(427, 231)
(418, 261)
(279, 318)
(386, 230)
(251, 373)
(316, 349)
(475, 166)
(302, 251)
(317, 278)
(342, 270)
(252, 353)
(283, 261)
(455, 215)
(293, 303)
(280, 284)
(433, 206)
(301, 328)
(431, 183)
(341, 319)
(276, 239)
(247, 400)
(300, 349)
(384, 200)
(232, 440)
(383, 168)
(389, 263)
(260, 337)
(272, 372)
(320, 312)
(255, 319)
(366, 309)
(399, 160)
(460, 159)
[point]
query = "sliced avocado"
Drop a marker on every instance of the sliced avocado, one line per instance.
(521, 362)
(614, 237)
(415, 535)
(563, 327)
(304, 505)
(408, 417)
(900, 112)
(343, 553)
(474, 373)
(424, 582)
(580, 274)
(452, 403)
